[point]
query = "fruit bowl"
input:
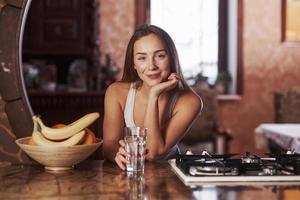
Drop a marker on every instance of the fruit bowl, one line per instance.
(58, 157)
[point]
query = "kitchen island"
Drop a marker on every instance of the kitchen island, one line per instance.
(104, 180)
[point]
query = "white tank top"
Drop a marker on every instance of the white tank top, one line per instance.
(129, 106)
(129, 121)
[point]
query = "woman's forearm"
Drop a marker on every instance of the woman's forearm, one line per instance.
(155, 141)
(110, 150)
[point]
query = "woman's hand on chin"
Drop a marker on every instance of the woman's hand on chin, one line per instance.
(165, 86)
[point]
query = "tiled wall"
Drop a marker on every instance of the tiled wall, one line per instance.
(268, 66)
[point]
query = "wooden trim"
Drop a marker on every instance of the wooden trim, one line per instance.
(223, 33)
(142, 12)
(283, 20)
(284, 41)
(37, 93)
(240, 61)
(228, 97)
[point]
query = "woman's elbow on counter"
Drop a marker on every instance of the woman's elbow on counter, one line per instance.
(108, 153)
(152, 156)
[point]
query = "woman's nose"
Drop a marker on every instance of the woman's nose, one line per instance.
(151, 64)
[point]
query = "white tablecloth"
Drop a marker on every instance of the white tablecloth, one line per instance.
(286, 136)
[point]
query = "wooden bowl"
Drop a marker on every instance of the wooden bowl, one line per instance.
(58, 158)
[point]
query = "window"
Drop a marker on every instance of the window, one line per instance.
(204, 32)
(193, 25)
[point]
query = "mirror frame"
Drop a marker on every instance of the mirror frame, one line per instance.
(13, 14)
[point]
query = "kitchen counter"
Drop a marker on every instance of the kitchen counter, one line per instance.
(104, 180)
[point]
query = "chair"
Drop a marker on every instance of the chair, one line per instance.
(287, 104)
(205, 133)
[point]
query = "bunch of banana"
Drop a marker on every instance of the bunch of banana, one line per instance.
(68, 135)
(69, 130)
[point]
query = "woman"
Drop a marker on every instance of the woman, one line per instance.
(152, 94)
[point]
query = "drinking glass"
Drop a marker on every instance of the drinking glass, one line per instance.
(135, 145)
(137, 186)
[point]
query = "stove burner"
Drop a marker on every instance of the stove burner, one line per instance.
(210, 170)
(268, 170)
(250, 158)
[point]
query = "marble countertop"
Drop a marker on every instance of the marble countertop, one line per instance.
(104, 180)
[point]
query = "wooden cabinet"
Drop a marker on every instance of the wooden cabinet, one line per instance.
(62, 107)
(60, 27)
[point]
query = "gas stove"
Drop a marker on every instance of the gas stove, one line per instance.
(206, 168)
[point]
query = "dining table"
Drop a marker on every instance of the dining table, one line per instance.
(283, 136)
(101, 179)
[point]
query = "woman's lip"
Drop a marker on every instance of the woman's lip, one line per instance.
(153, 76)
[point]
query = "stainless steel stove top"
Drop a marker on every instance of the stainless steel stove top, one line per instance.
(203, 169)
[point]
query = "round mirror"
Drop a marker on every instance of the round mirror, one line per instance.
(21, 26)
(14, 98)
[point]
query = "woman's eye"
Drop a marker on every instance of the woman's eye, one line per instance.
(141, 58)
(161, 56)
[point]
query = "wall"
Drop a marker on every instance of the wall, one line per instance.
(116, 27)
(268, 66)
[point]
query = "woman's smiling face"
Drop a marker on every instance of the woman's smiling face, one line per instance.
(151, 60)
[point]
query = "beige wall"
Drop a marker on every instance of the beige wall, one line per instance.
(116, 27)
(268, 66)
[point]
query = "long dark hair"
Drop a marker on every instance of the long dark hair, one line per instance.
(130, 74)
